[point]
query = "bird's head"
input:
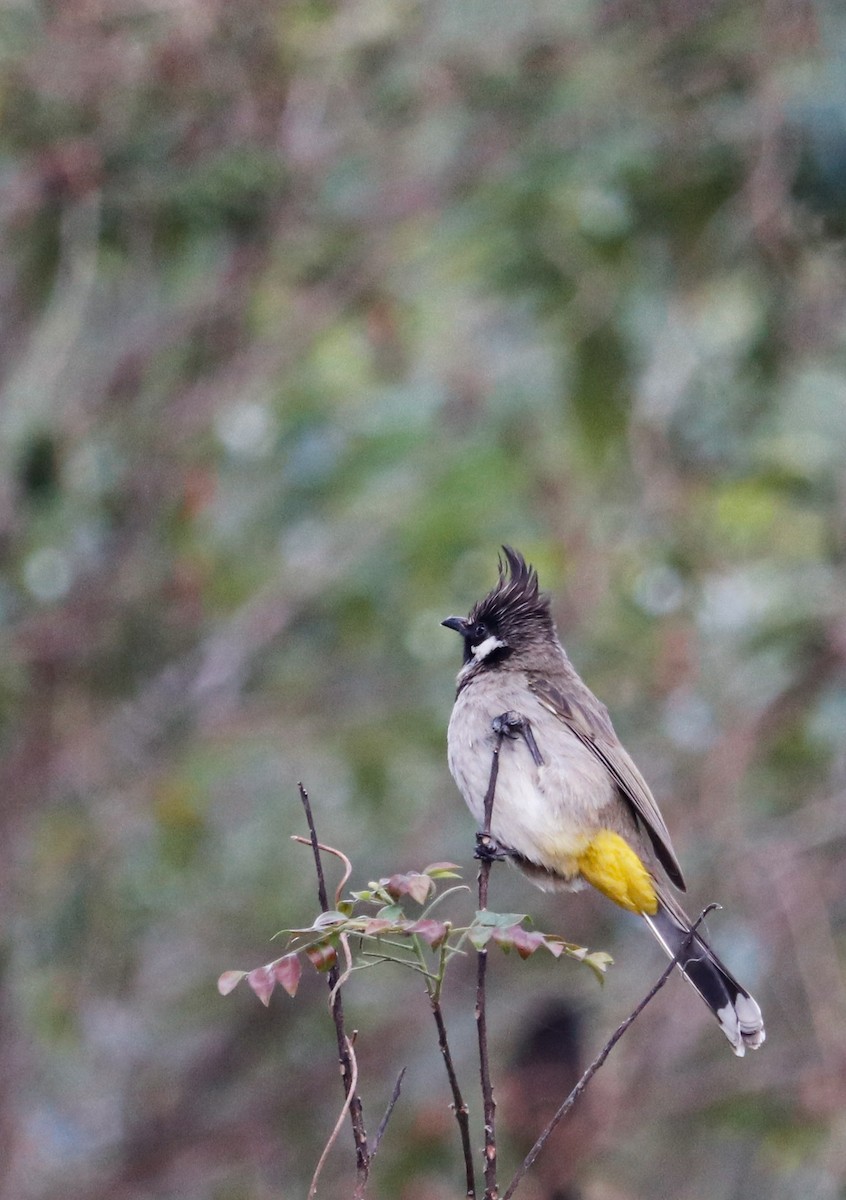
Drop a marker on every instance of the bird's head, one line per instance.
(513, 617)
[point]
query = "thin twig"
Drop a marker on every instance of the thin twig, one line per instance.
(434, 985)
(322, 895)
(488, 1101)
(346, 1056)
(295, 837)
(601, 1057)
(348, 966)
(458, 1104)
(383, 1124)
(312, 1191)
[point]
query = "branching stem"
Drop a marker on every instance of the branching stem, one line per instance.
(346, 1057)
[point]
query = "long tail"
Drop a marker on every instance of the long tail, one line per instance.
(737, 1012)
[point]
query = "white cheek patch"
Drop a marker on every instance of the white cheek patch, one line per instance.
(487, 647)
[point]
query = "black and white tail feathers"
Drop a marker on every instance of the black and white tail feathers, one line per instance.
(737, 1012)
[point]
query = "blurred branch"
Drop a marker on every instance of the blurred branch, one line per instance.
(817, 823)
(600, 1059)
(816, 952)
(383, 1124)
(346, 1054)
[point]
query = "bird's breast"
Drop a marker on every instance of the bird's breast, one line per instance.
(546, 812)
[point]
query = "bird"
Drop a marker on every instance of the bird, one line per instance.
(570, 807)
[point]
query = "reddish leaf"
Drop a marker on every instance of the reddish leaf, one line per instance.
(411, 884)
(420, 887)
(432, 932)
(524, 941)
(395, 886)
(262, 981)
(288, 971)
(229, 980)
(554, 944)
(377, 925)
(323, 956)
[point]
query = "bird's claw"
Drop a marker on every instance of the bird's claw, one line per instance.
(509, 724)
(513, 724)
(487, 849)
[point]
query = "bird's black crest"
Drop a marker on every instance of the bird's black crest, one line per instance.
(516, 604)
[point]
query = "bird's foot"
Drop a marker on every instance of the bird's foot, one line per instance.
(487, 850)
(512, 724)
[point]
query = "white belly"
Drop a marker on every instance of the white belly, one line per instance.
(545, 813)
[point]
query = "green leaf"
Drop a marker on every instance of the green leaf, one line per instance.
(486, 922)
(443, 870)
(391, 912)
(495, 920)
(599, 962)
(480, 935)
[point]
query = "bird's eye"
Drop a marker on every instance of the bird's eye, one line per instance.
(480, 632)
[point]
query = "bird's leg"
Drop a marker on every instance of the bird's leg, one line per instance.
(513, 724)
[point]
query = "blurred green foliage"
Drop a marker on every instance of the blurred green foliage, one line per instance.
(306, 308)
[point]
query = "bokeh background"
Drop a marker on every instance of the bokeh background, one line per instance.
(305, 307)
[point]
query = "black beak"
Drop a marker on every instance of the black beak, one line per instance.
(456, 623)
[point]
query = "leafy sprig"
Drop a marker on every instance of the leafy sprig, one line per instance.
(377, 920)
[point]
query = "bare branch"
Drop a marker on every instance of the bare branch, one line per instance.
(458, 1104)
(322, 896)
(484, 845)
(312, 1191)
(346, 1055)
(383, 1124)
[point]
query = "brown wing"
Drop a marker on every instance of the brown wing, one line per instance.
(591, 724)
